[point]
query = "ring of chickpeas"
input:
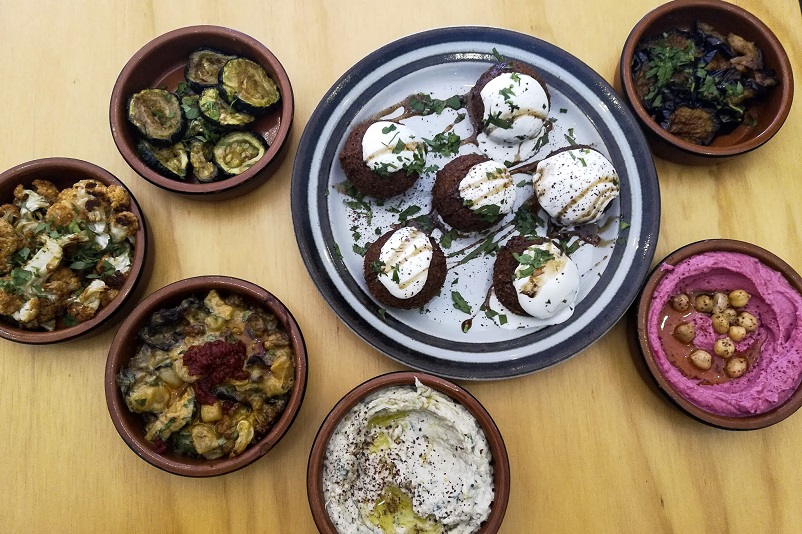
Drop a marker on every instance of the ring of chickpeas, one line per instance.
(725, 319)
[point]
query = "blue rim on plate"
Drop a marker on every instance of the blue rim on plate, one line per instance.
(455, 49)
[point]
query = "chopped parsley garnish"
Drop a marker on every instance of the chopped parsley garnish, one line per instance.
(496, 120)
(532, 260)
(407, 213)
(488, 212)
(527, 222)
(444, 143)
(447, 239)
(423, 104)
(359, 250)
(460, 303)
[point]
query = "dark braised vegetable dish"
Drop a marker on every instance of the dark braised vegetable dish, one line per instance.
(210, 377)
(187, 133)
(697, 84)
(64, 255)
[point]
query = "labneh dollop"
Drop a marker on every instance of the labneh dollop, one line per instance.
(389, 146)
(488, 184)
(550, 291)
(772, 350)
(575, 185)
(404, 262)
(516, 107)
(408, 459)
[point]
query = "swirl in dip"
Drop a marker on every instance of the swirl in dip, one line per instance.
(408, 459)
(771, 353)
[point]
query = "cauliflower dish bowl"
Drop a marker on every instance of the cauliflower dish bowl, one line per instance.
(71, 248)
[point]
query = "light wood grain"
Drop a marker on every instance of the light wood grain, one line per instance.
(592, 448)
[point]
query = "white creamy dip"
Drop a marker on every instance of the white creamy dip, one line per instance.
(389, 146)
(551, 291)
(518, 100)
(412, 442)
(488, 184)
(575, 186)
(405, 259)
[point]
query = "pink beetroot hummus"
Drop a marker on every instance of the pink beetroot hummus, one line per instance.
(777, 370)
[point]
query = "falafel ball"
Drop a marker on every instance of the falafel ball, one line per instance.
(504, 271)
(405, 268)
(472, 192)
(510, 102)
(382, 159)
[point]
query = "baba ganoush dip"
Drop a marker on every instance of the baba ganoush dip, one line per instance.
(408, 459)
(769, 352)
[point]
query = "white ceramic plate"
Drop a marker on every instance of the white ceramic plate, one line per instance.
(331, 229)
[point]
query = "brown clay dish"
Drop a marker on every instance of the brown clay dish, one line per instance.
(129, 425)
(501, 464)
(63, 173)
(770, 112)
(752, 422)
(161, 62)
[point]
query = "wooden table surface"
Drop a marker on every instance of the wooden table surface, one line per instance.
(592, 448)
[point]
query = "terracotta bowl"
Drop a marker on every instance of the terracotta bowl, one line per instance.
(130, 425)
(63, 173)
(161, 62)
(501, 465)
(770, 112)
(750, 422)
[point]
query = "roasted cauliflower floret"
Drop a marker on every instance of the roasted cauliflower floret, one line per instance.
(123, 224)
(118, 198)
(46, 259)
(28, 313)
(91, 187)
(10, 303)
(80, 312)
(46, 189)
(50, 309)
(9, 213)
(60, 214)
(10, 242)
(107, 296)
(29, 201)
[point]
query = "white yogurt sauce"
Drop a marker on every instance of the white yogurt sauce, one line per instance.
(575, 186)
(415, 439)
(551, 290)
(405, 259)
(389, 146)
(517, 99)
(488, 184)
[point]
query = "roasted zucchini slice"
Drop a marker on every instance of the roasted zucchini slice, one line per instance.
(203, 68)
(215, 110)
(200, 157)
(237, 152)
(157, 115)
(247, 87)
(170, 161)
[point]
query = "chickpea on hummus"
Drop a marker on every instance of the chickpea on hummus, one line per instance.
(726, 332)
(408, 459)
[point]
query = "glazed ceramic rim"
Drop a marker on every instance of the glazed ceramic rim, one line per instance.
(107, 315)
(501, 464)
(117, 119)
(783, 69)
(189, 467)
(518, 355)
(773, 416)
